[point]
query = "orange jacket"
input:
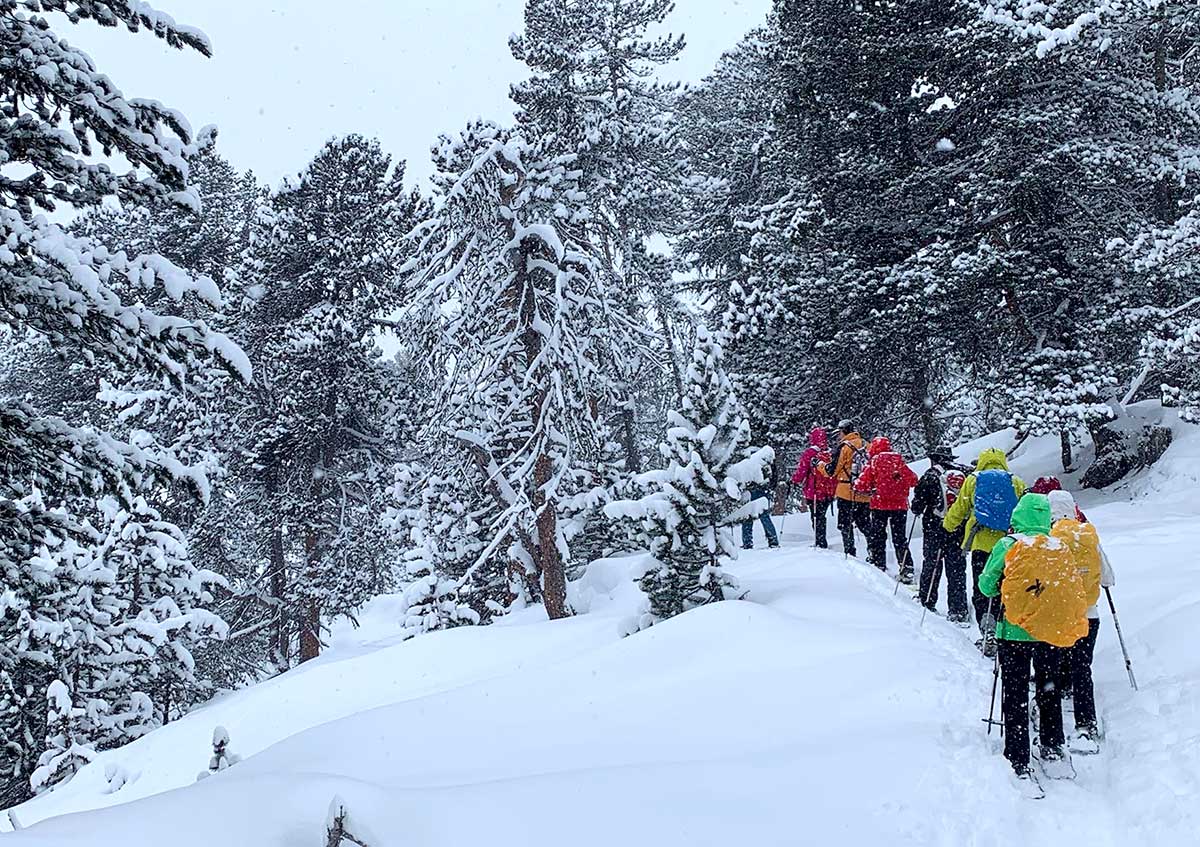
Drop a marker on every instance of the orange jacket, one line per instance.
(842, 469)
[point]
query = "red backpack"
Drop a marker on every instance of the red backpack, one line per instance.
(952, 483)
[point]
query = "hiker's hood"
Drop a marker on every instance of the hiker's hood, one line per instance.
(1032, 515)
(1062, 505)
(992, 459)
(817, 438)
(1046, 484)
(879, 445)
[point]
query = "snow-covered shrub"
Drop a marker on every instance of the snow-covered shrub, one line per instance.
(222, 757)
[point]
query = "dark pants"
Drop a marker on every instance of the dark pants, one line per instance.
(1075, 674)
(1015, 658)
(943, 555)
(897, 521)
(768, 528)
(819, 513)
(849, 516)
(978, 600)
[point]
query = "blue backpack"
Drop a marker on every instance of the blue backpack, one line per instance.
(995, 499)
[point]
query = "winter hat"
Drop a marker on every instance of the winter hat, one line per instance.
(942, 451)
(1062, 504)
(879, 445)
(1046, 484)
(846, 425)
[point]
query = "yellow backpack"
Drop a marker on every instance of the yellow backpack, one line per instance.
(1042, 591)
(1084, 542)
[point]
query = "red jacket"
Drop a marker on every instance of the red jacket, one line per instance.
(888, 478)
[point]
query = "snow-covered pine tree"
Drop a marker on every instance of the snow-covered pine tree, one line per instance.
(685, 517)
(590, 93)
(67, 288)
(65, 752)
(321, 427)
(512, 309)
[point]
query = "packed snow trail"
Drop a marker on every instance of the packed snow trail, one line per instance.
(822, 712)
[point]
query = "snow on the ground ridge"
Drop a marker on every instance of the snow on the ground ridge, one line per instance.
(821, 712)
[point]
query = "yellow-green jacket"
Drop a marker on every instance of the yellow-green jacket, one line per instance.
(964, 507)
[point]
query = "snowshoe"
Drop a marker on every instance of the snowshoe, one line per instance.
(1085, 743)
(988, 645)
(1025, 780)
(906, 577)
(960, 620)
(1056, 764)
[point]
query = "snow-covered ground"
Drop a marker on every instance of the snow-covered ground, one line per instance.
(817, 711)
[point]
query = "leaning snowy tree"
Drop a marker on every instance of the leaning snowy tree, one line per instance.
(513, 315)
(59, 114)
(690, 504)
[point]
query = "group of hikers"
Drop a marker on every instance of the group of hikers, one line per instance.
(1036, 563)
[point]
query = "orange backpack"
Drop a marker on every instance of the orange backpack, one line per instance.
(1042, 590)
(1084, 542)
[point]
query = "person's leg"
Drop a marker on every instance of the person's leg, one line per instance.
(821, 522)
(877, 539)
(769, 529)
(899, 526)
(845, 523)
(861, 515)
(747, 533)
(931, 565)
(978, 600)
(1045, 666)
(1014, 701)
(954, 563)
(1081, 677)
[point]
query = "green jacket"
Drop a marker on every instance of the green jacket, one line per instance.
(1031, 517)
(963, 509)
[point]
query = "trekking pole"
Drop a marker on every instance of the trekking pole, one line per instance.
(1121, 638)
(992, 708)
(907, 555)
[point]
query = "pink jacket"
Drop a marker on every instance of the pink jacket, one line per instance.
(816, 486)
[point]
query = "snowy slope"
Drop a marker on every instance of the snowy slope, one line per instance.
(819, 713)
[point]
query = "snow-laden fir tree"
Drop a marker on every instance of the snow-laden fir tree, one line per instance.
(515, 318)
(90, 303)
(590, 93)
(686, 518)
(327, 413)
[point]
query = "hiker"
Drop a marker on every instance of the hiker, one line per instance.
(759, 491)
(1047, 484)
(942, 551)
(1075, 671)
(847, 465)
(1043, 610)
(983, 510)
(888, 479)
(818, 488)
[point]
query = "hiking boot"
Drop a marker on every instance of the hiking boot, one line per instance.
(747, 546)
(1026, 781)
(773, 546)
(1056, 764)
(906, 577)
(1085, 743)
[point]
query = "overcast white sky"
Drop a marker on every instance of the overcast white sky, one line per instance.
(288, 74)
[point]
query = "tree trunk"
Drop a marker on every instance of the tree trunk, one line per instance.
(310, 622)
(280, 643)
(1068, 460)
(554, 577)
(310, 632)
(633, 460)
